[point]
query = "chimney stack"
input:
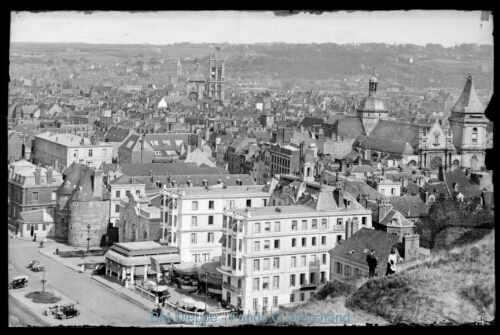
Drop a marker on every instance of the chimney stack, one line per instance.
(383, 208)
(338, 194)
(38, 175)
(50, 170)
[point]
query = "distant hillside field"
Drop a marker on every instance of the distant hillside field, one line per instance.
(457, 285)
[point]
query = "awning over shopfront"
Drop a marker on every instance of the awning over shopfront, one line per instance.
(186, 269)
(167, 259)
(127, 261)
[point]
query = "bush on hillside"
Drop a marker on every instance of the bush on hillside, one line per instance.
(334, 289)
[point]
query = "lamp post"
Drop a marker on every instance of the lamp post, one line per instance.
(88, 237)
(206, 290)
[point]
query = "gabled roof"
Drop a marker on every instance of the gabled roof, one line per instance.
(310, 121)
(465, 187)
(384, 145)
(394, 218)
(37, 216)
(396, 131)
(410, 206)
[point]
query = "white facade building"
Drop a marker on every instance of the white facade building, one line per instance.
(194, 222)
(279, 255)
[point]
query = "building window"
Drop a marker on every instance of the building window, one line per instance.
(312, 278)
(276, 244)
(194, 221)
(292, 280)
(303, 260)
(363, 220)
(294, 242)
(323, 240)
(324, 224)
(256, 303)
(193, 238)
(323, 277)
(339, 222)
(304, 225)
(257, 227)
(256, 246)
(44, 227)
(267, 227)
(338, 268)
(474, 135)
(265, 202)
(294, 225)
(90, 152)
(303, 241)
(292, 297)
(324, 257)
(104, 152)
(127, 193)
(314, 224)
(276, 226)
(211, 219)
(302, 279)
(240, 243)
(293, 262)
(256, 264)
(75, 153)
(276, 282)
(313, 242)
(249, 202)
(211, 204)
(267, 263)
(264, 303)
(276, 263)
(117, 194)
(194, 205)
(267, 245)
(265, 283)
(117, 208)
(210, 237)
(275, 302)
(255, 285)
(35, 196)
(339, 237)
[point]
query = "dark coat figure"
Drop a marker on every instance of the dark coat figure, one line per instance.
(372, 263)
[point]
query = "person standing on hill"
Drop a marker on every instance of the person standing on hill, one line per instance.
(372, 263)
(391, 262)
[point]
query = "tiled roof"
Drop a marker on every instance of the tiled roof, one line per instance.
(384, 145)
(37, 216)
(311, 121)
(138, 169)
(372, 104)
(409, 206)
(364, 240)
(464, 185)
(396, 131)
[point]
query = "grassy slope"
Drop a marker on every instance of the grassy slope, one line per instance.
(455, 285)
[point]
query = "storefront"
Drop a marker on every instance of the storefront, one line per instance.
(131, 262)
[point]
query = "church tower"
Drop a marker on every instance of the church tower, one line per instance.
(179, 68)
(468, 123)
(216, 78)
(371, 109)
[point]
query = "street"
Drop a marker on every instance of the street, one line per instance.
(98, 304)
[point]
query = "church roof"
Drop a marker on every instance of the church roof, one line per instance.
(196, 76)
(372, 104)
(468, 101)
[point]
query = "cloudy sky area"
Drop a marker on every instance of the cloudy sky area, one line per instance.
(417, 27)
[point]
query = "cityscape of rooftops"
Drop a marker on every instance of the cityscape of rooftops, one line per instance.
(250, 168)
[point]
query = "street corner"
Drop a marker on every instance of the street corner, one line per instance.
(20, 295)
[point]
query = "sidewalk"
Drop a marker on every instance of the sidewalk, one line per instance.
(71, 262)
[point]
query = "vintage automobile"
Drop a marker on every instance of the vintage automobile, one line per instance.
(33, 262)
(67, 311)
(51, 310)
(18, 282)
(100, 271)
(37, 267)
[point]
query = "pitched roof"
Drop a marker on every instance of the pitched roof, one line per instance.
(465, 187)
(409, 206)
(310, 121)
(396, 131)
(138, 169)
(37, 216)
(372, 104)
(384, 145)
(364, 240)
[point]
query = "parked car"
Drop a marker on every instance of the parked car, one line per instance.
(19, 282)
(100, 271)
(33, 262)
(51, 310)
(37, 267)
(67, 311)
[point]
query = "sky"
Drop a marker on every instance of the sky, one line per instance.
(161, 28)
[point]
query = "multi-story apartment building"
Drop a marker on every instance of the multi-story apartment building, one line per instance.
(194, 220)
(31, 188)
(64, 149)
(285, 159)
(119, 189)
(279, 255)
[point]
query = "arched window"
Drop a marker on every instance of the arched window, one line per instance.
(474, 135)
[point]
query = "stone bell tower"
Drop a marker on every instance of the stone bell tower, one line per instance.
(216, 77)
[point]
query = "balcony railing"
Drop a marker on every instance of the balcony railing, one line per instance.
(232, 288)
